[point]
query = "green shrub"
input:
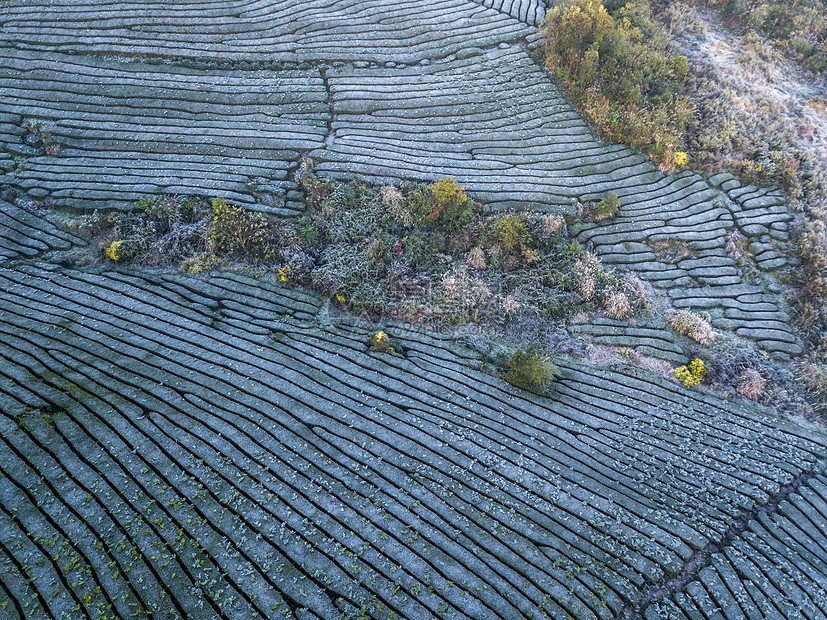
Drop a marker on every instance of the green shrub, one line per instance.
(529, 371)
(606, 209)
(510, 241)
(511, 234)
(166, 211)
(812, 246)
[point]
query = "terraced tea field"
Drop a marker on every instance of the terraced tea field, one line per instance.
(176, 446)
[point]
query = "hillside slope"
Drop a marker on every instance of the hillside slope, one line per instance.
(226, 445)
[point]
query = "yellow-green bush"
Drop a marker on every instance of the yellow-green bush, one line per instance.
(443, 202)
(235, 230)
(200, 263)
(512, 237)
(382, 344)
(529, 371)
(120, 251)
(447, 191)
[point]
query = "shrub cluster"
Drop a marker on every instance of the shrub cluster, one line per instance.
(424, 253)
(617, 69)
(419, 252)
(164, 231)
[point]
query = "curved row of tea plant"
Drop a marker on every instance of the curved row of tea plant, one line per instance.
(172, 445)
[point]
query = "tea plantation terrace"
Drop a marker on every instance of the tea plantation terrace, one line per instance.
(228, 446)
(222, 447)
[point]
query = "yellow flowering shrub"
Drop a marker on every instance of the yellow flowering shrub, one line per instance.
(381, 343)
(284, 273)
(119, 251)
(691, 375)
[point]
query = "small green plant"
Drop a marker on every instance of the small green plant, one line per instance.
(691, 375)
(315, 190)
(607, 208)
(529, 371)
